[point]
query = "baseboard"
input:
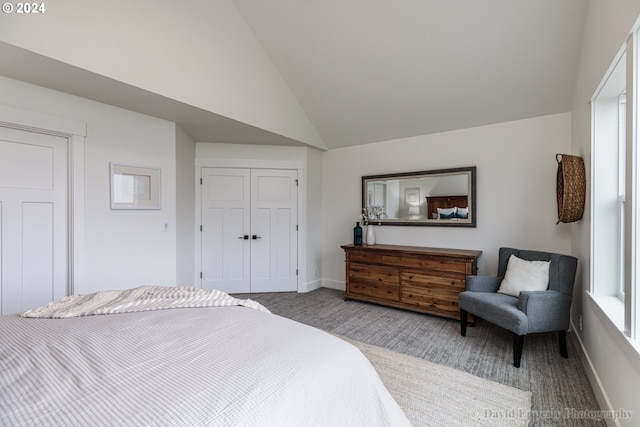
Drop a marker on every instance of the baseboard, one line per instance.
(321, 283)
(310, 286)
(594, 380)
(333, 284)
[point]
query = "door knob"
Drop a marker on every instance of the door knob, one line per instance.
(254, 237)
(245, 237)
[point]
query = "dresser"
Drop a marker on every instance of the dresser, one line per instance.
(426, 280)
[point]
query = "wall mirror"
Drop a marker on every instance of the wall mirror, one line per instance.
(444, 197)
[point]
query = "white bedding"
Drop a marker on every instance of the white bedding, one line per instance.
(218, 366)
(142, 298)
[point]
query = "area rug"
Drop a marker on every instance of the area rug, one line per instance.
(436, 395)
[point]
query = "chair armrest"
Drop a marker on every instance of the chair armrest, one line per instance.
(545, 310)
(483, 283)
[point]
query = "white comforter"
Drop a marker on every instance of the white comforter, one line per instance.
(219, 366)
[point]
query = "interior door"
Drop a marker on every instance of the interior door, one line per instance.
(226, 204)
(249, 230)
(34, 266)
(274, 249)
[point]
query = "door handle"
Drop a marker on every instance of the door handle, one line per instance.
(245, 237)
(254, 237)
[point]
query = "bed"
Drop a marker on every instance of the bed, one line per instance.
(447, 207)
(225, 364)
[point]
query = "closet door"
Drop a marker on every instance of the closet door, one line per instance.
(274, 249)
(226, 204)
(249, 230)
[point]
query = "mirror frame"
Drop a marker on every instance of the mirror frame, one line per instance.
(471, 197)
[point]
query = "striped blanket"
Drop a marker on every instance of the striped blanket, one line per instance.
(143, 298)
(216, 367)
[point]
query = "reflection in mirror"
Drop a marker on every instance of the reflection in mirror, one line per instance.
(445, 197)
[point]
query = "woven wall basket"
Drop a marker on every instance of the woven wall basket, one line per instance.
(571, 187)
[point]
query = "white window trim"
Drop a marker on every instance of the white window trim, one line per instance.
(627, 307)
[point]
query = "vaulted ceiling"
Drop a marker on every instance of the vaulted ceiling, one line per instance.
(376, 70)
(365, 71)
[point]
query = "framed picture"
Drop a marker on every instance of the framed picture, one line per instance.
(412, 196)
(134, 187)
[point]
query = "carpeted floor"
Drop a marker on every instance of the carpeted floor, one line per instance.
(561, 394)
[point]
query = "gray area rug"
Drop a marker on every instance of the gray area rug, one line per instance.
(561, 393)
(436, 395)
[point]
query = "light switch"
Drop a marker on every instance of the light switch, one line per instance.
(165, 226)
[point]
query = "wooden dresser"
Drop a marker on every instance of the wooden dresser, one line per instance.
(427, 280)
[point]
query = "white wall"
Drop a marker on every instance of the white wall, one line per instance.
(153, 45)
(185, 205)
(516, 194)
(310, 201)
(315, 223)
(123, 248)
(613, 365)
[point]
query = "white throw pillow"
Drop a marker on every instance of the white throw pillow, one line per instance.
(524, 275)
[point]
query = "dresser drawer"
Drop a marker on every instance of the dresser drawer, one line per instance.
(443, 264)
(402, 260)
(425, 279)
(383, 291)
(438, 301)
(374, 273)
(355, 256)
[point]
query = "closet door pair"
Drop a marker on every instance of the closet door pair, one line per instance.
(249, 230)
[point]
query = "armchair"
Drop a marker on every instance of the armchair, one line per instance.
(531, 311)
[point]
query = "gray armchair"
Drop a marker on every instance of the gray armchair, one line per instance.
(532, 311)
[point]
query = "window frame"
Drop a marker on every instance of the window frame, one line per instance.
(616, 232)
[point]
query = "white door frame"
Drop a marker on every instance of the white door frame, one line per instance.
(74, 132)
(254, 164)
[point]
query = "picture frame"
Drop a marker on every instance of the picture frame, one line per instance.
(412, 196)
(134, 187)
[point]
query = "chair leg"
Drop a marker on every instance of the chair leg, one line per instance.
(518, 343)
(463, 323)
(562, 338)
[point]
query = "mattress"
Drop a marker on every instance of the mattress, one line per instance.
(213, 366)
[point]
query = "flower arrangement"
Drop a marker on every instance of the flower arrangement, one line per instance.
(372, 213)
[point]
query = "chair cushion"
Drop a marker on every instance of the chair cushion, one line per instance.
(522, 275)
(499, 309)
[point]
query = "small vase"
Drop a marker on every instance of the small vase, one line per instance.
(371, 235)
(357, 235)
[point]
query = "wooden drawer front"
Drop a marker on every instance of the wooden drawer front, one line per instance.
(423, 279)
(383, 291)
(374, 273)
(442, 264)
(402, 261)
(437, 301)
(365, 257)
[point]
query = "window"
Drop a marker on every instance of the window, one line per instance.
(615, 192)
(608, 185)
(620, 232)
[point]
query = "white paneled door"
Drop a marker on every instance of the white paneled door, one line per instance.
(249, 230)
(274, 218)
(33, 219)
(226, 225)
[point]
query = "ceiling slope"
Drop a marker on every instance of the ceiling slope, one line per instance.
(200, 124)
(375, 70)
(193, 60)
(323, 73)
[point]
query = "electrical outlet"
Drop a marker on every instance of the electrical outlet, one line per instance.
(580, 321)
